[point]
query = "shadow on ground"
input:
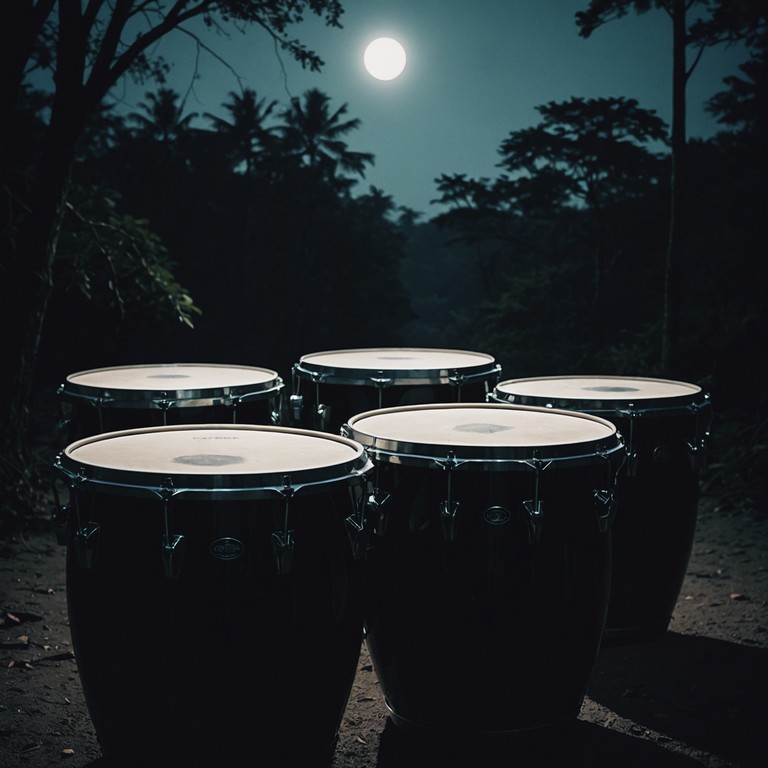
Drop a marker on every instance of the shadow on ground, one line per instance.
(708, 693)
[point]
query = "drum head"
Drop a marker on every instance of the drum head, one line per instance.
(211, 461)
(600, 393)
(180, 383)
(482, 433)
(395, 365)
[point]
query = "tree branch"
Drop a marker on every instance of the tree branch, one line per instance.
(103, 77)
(93, 227)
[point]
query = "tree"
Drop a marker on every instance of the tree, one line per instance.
(89, 46)
(705, 30)
(246, 134)
(580, 168)
(163, 120)
(313, 136)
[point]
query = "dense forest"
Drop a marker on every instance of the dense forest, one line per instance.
(249, 237)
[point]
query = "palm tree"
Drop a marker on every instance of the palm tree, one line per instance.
(164, 120)
(245, 133)
(312, 136)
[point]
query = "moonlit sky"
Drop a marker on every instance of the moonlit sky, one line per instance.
(476, 71)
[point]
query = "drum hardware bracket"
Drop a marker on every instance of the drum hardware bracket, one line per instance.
(164, 404)
(173, 554)
(64, 421)
(99, 402)
(173, 545)
(86, 538)
(283, 541)
(605, 506)
(297, 406)
(61, 522)
(535, 511)
(456, 379)
(632, 457)
(87, 543)
(61, 517)
(449, 509)
(323, 414)
(233, 402)
(380, 380)
(697, 449)
(377, 500)
(357, 524)
(449, 518)
(282, 548)
(535, 507)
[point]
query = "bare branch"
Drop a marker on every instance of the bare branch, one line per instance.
(94, 227)
(201, 45)
(699, 54)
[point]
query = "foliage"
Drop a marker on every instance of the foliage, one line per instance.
(88, 48)
(246, 136)
(311, 135)
(570, 184)
(118, 259)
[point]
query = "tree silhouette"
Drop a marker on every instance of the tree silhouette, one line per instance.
(163, 119)
(588, 157)
(89, 47)
(312, 135)
(697, 36)
(246, 134)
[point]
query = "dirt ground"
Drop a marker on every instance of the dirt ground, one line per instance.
(696, 697)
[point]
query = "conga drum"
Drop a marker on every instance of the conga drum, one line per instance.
(488, 571)
(329, 387)
(214, 590)
(132, 396)
(665, 425)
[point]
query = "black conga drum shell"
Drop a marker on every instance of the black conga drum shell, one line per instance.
(491, 632)
(132, 396)
(228, 662)
(664, 423)
(337, 384)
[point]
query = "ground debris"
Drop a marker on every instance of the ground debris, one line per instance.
(13, 619)
(20, 643)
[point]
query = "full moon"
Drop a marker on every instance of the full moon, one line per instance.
(384, 58)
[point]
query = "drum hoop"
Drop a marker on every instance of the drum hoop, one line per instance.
(528, 463)
(330, 374)
(169, 485)
(501, 458)
(162, 399)
(691, 402)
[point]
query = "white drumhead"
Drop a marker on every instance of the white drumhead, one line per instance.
(614, 388)
(175, 376)
(397, 359)
(478, 426)
(214, 450)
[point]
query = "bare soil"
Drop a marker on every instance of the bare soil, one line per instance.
(696, 697)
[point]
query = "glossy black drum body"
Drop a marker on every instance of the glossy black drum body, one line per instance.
(665, 424)
(132, 396)
(214, 595)
(488, 571)
(330, 387)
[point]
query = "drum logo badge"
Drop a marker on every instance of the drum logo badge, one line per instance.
(497, 515)
(227, 548)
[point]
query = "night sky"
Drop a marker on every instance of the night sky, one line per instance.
(476, 71)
